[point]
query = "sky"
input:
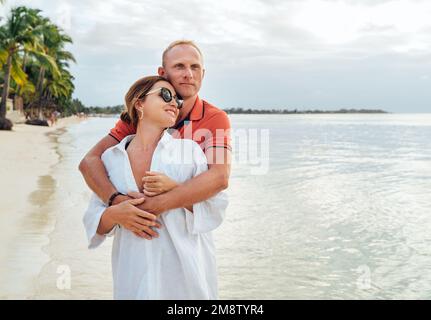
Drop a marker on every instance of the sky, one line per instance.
(294, 54)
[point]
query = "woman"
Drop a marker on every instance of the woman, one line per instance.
(180, 263)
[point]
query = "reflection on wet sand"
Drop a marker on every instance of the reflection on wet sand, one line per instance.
(25, 256)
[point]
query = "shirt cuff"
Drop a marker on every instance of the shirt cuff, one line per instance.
(91, 222)
(207, 215)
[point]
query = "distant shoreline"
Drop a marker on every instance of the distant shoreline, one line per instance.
(115, 111)
(295, 111)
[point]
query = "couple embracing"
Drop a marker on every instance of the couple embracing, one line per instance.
(158, 179)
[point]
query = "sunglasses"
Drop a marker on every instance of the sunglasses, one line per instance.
(167, 96)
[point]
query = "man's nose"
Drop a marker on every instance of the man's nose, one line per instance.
(188, 73)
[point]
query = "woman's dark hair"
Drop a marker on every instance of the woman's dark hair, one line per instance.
(137, 92)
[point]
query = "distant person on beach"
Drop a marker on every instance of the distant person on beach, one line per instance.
(198, 120)
(54, 116)
(180, 263)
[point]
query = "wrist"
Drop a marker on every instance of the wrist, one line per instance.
(112, 197)
(111, 215)
(163, 202)
(120, 198)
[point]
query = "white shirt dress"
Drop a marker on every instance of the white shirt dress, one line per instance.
(181, 263)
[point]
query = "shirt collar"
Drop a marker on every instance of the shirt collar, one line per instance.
(197, 112)
(164, 140)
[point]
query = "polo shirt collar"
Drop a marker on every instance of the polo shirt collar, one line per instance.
(197, 112)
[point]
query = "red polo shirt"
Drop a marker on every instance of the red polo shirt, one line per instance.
(206, 124)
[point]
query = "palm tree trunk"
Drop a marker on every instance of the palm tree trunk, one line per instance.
(41, 76)
(39, 89)
(24, 61)
(18, 101)
(5, 93)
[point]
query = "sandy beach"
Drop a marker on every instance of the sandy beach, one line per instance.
(28, 155)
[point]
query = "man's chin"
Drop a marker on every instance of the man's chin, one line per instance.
(186, 94)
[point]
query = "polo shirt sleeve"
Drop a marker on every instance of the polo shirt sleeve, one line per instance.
(121, 130)
(219, 129)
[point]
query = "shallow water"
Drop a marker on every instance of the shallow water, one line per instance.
(341, 211)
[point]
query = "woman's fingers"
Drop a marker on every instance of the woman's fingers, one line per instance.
(140, 233)
(137, 202)
(153, 184)
(147, 230)
(158, 224)
(141, 214)
(134, 194)
(153, 173)
(151, 194)
(145, 222)
(151, 179)
(152, 188)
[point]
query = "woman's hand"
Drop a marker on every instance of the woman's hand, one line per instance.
(155, 183)
(127, 215)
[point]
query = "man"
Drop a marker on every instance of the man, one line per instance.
(182, 65)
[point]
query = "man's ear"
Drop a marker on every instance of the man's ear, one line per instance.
(161, 71)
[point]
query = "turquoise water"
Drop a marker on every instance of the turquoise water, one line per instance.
(340, 209)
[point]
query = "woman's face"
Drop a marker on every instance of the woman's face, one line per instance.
(156, 110)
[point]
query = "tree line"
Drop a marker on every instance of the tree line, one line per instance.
(34, 65)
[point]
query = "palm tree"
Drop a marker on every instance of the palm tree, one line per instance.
(54, 80)
(35, 62)
(38, 55)
(17, 32)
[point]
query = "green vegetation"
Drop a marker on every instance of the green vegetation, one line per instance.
(34, 65)
(77, 107)
(118, 109)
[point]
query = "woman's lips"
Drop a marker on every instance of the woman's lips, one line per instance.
(171, 112)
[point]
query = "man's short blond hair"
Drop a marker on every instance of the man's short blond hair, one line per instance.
(178, 43)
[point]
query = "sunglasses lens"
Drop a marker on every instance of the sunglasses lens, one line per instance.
(179, 103)
(166, 95)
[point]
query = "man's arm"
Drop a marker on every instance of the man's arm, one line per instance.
(200, 188)
(94, 172)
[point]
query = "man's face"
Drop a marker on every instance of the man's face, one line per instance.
(183, 68)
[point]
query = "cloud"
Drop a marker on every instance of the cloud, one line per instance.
(117, 41)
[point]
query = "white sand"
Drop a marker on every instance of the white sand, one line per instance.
(27, 154)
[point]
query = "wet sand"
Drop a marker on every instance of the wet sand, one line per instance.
(28, 156)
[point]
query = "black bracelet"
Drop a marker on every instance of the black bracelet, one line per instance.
(112, 197)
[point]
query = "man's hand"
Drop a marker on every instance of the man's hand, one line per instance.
(132, 218)
(152, 205)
